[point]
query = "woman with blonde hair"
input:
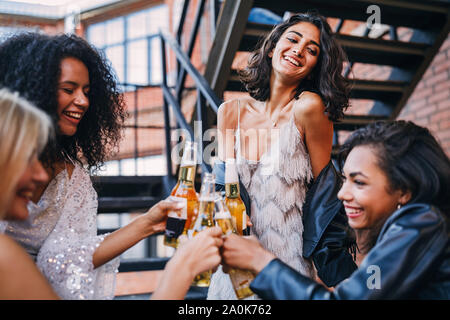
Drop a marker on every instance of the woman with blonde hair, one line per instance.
(23, 134)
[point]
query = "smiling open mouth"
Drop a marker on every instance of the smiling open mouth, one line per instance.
(291, 60)
(353, 212)
(73, 115)
(26, 194)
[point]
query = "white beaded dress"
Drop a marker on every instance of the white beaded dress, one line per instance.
(276, 185)
(60, 234)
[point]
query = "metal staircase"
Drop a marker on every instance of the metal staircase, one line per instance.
(408, 60)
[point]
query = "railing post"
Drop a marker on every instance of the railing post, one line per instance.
(136, 115)
(181, 27)
(199, 132)
(166, 112)
(182, 73)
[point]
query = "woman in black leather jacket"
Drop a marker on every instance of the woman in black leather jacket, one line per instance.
(396, 197)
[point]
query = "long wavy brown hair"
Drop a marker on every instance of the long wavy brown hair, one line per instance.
(326, 78)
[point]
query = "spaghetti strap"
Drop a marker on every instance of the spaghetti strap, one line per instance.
(237, 134)
(239, 113)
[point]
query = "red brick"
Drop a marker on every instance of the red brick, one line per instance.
(440, 57)
(444, 135)
(424, 112)
(428, 73)
(416, 104)
(444, 125)
(442, 86)
(439, 96)
(443, 105)
(442, 66)
(422, 93)
(433, 80)
(445, 114)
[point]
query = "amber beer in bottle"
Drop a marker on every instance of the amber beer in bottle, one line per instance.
(184, 191)
(233, 198)
(205, 220)
(240, 279)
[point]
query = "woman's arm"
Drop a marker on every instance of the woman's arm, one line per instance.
(245, 253)
(191, 258)
(116, 243)
(316, 128)
(20, 279)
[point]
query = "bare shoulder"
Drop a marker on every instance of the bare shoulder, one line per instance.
(227, 115)
(10, 251)
(309, 103)
(309, 109)
(19, 276)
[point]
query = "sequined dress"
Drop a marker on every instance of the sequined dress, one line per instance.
(276, 185)
(61, 235)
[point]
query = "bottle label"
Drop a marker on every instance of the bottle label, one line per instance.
(244, 220)
(174, 227)
(175, 223)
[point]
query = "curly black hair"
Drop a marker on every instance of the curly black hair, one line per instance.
(30, 64)
(326, 78)
(411, 158)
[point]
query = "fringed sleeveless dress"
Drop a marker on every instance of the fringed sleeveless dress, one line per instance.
(277, 187)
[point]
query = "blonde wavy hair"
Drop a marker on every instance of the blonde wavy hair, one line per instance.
(24, 131)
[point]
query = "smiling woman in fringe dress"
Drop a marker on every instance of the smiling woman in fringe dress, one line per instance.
(281, 136)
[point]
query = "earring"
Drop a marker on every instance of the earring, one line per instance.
(399, 206)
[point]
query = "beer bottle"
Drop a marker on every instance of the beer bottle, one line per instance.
(183, 191)
(205, 220)
(233, 198)
(240, 279)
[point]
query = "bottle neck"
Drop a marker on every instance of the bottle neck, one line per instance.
(232, 190)
(187, 174)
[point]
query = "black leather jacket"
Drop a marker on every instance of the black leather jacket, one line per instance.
(410, 260)
(325, 238)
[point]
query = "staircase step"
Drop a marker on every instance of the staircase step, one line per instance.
(418, 14)
(125, 186)
(405, 55)
(126, 204)
(353, 122)
(386, 91)
(143, 264)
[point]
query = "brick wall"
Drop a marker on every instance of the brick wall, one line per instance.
(429, 105)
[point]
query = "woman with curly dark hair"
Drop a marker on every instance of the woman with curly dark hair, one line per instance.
(74, 84)
(281, 136)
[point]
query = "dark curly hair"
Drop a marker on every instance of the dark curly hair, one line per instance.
(326, 78)
(411, 158)
(30, 64)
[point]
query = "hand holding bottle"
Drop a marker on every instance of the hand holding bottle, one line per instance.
(193, 256)
(154, 220)
(200, 253)
(245, 253)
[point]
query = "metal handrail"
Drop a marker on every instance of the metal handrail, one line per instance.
(199, 80)
(204, 93)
